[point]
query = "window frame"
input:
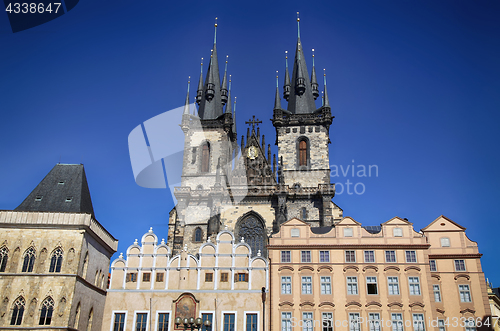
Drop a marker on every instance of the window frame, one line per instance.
(370, 280)
(436, 291)
(4, 258)
(306, 285)
(157, 322)
(369, 256)
(327, 316)
(460, 265)
(223, 320)
(445, 242)
(397, 323)
(305, 257)
(464, 291)
(388, 254)
(356, 317)
(210, 316)
(433, 265)
(324, 256)
(286, 316)
(397, 232)
(303, 152)
(410, 258)
(136, 315)
(159, 276)
(348, 232)
(419, 322)
(286, 256)
(209, 277)
(47, 310)
(224, 277)
(391, 285)
(374, 324)
(113, 319)
(414, 285)
(351, 254)
(325, 285)
(286, 285)
(257, 323)
(352, 284)
(307, 321)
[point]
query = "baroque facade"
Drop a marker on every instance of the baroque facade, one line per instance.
(54, 257)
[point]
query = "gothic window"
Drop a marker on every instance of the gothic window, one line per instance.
(17, 311)
(205, 157)
(29, 260)
(85, 265)
(56, 260)
(197, 235)
(46, 311)
(76, 324)
(89, 322)
(252, 230)
(4, 255)
(303, 214)
(303, 152)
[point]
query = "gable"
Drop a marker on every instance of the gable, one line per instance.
(443, 223)
(397, 221)
(348, 221)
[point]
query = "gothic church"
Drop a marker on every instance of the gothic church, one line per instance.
(240, 187)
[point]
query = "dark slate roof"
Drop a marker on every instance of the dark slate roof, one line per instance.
(373, 229)
(321, 229)
(496, 291)
(304, 103)
(64, 189)
(213, 108)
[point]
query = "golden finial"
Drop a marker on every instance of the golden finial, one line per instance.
(216, 22)
(298, 18)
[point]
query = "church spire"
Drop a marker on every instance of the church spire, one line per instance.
(199, 93)
(277, 100)
(326, 102)
(228, 99)
(186, 104)
(314, 81)
(234, 110)
(301, 100)
(286, 86)
(211, 105)
(223, 90)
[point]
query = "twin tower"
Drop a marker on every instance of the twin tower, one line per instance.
(240, 186)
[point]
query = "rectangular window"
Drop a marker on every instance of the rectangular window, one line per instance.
(251, 322)
(390, 256)
(393, 284)
(228, 322)
(295, 233)
(307, 321)
(163, 322)
(437, 293)
(285, 256)
(131, 277)
(411, 256)
(369, 256)
(459, 265)
(209, 277)
(146, 277)
(242, 277)
(371, 285)
(159, 277)
(206, 317)
(464, 293)
(326, 285)
(286, 285)
(354, 322)
(414, 284)
(224, 277)
(307, 285)
(432, 265)
(352, 285)
(374, 321)
(286, 321)
(441, 325)
(327, 321)
(347, 232)
(398, 232)
(141, 321)
(397, 322)
(119, 323)
(324, 256)
(470, 325)
(350, 256)
(305, 256)
(418, 322)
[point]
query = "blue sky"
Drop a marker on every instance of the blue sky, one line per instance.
(414, 87)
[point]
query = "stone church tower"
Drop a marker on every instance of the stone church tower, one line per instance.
(243, 187)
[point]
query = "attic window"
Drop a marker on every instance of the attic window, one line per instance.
(398, 232)
(347, 232)
(68, 199)
(60, 182)
(295, 233)
(38, 198)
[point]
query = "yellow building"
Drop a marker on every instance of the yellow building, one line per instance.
(222, 283)
(386, 277)
(494, 297)
(54, 257)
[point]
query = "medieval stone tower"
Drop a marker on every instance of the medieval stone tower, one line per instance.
(243, 187)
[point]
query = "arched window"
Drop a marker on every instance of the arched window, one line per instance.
(252, 230)
(89, 322)
(303, 154)
(46, 311)
(85, 265)
(17, 311)
(197, 235)
(4, 255)
(76, 324)
(29, 260)
(205, 157)
(56, 260)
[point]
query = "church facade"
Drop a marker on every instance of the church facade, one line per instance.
(241, 186)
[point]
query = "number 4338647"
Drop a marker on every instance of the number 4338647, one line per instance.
(32, 8)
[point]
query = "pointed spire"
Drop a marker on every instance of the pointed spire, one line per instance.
(286, 86)
(298, 25)
(269, 153)
(263, 143)
(242, 142)
(186, 104)
(274, 164)
(314, 81)
(215, 33)
(234, 110)
(277, 99)
(326, 102)
(223, 90)
(258, 133)
(228, 104)
(199, 93)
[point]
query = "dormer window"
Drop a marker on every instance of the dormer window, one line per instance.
(38, 198)
(69, 199)
(61, 182)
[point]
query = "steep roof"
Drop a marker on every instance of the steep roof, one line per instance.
(64, 189)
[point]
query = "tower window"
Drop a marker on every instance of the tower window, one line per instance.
(302, 153)
(205, 158)
(197, 235)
